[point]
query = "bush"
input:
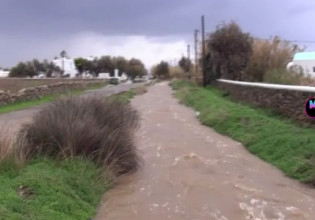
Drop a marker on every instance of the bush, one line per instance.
(6, 142)
(161, 70)
(93, 127)
(229, 49)
(283, 76)
(177, 72)
(269, 56)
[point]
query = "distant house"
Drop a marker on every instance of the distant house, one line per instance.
(103, 75)
(4, 74)
(67, 65)
(305, 61)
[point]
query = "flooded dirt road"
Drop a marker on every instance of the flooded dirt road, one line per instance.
(191, 172)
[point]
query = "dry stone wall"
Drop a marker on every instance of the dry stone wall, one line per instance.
(34, 93)
(286, 100)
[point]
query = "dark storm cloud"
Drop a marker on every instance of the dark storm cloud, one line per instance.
(39, 27)
(144, 17)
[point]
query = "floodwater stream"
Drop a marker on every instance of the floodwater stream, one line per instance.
(191, 172)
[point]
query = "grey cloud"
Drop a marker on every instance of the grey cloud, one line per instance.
(40, 28)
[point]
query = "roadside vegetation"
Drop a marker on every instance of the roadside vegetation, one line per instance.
(59, 165)
(278, 141)
(104, 64)
(107, 64)
(234, 54)
(125, 97)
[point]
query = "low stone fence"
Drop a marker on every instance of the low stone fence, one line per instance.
(37, 92)
(286, 100)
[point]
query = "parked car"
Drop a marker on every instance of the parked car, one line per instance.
(114, 81)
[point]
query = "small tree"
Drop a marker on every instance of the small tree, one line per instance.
(33, 68)
(161, 70)
(185, 64)
(229, 50)
(105, 65)
(121, 64)
(82, 65)
(136, 68)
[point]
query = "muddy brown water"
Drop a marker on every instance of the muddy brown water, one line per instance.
(192, 172)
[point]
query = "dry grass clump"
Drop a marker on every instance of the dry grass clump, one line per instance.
(140, 90)
(269, 60)
(9, 143)
(177, 72)
(6, 142)
(92, 127)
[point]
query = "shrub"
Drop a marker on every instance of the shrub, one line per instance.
(230, 49)
(269, 56)
(161, 70)
(6, 142)
(93, 127)
(177, 72)
(283, 76)
(9, 155)
(186, 65)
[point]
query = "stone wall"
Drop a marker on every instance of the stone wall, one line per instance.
(34, 93)
(288, 101)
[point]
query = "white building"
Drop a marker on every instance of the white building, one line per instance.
(67, 65)
(305, 61)
(116, 75)
(3, 73)
(103, 75)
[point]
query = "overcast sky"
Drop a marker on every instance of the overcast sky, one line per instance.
(147, 29)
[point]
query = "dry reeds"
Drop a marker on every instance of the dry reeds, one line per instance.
(269, 60)
(91, 127)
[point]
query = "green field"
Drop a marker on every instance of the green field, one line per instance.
(280, 142)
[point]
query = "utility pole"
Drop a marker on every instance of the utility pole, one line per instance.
(203, 49)
(188, 51)
(196, 52)
(188, 56)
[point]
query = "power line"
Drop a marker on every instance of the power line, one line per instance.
(291, 41)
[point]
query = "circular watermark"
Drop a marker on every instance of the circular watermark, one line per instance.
(310, 107)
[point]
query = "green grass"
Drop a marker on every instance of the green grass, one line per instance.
(280, 142)
(123, 97)
(47, 98)
(126, 96)
(68, 189)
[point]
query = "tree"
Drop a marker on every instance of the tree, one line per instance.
(33, 68)
(161, 70)
(121, 64)
(82, 65)
(136, 68)
(185, 64)
(50, 68)
(63, 54)
(105, 65)
(229, 51)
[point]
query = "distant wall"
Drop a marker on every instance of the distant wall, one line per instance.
(37, 92)
(286, 100)
(16, 84)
